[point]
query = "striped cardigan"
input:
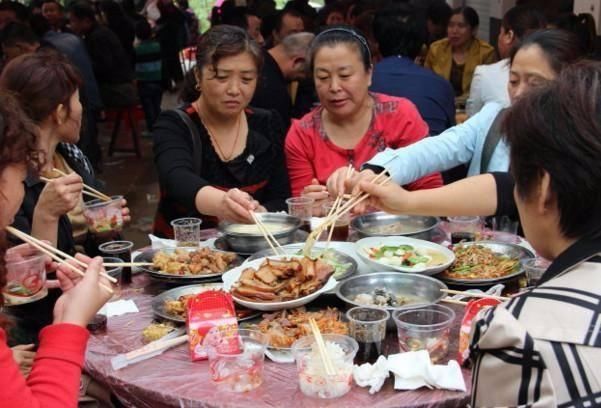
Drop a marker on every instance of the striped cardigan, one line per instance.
(543, 349)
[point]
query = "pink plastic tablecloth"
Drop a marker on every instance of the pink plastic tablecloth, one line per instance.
(172, 380)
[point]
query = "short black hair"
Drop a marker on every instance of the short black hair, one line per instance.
(82, 10)
(555, 130)
(21, 10)
(522, 20)
(60, 6)
(143, 30)
(15, 33)
(398, 32)
(439, 13)
(469, 14)
(39, 25)
(280, 18)
(560, 47)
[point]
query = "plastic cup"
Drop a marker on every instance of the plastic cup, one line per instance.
(534, 269)
(121, 250)
(239, 372)
(104, 217)
(341, 226)
(186, 231)
(312, 376)
(426, 328)
(25, 279)
(367, 325)
(464, 228)
(301, 207)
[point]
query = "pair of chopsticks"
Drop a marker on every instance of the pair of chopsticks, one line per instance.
(321, 347)
(337, 204)
(470, 294)
(87, 190)
(273, 243)
(58, 255)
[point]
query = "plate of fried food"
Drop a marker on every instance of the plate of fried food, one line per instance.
(279, 282)
(171, 305)
(485, 262)
(284, 327)
(187, 265)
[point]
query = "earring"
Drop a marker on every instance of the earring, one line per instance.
(197, 87)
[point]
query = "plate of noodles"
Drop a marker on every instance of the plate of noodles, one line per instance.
(485, 262)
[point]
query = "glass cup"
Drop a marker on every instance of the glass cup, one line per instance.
(314, 381)
(104, 218)
(534, 269)
(121, 250)
(426, 328)
(186, 231)
(464, 228)
(239, 372)
(25, 279)
(341, 226)
(367, 325)
(301, 207)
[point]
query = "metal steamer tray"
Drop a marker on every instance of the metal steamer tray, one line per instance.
(500, 248)
(158, 303)
(147, 256)
(381, 224)
(222, 244)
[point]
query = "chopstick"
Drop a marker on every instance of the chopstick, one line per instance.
(127, 264)
(327, 363)
(101, 195)
(42, 246)
(453, 301)
(477, 295)
(267, 235)
(88, 193)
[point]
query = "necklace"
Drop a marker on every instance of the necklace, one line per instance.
(214, 139)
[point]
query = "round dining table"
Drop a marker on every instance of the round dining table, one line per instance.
(171, 379)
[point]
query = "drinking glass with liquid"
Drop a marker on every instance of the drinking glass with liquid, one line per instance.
(367, 326)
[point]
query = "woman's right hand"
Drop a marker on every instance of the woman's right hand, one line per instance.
(83, 296)
(60, 195)
(236, 206)
(319, 194)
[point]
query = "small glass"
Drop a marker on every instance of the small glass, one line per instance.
(114, 271)
(25, 279)
(534, 269)
(122, 250)
(426, 328)
(341, 226)
(301, 207)
(367, 325)
(240, 372)
(186, 231)
(314, 381)
(464, 228)
(104, 218)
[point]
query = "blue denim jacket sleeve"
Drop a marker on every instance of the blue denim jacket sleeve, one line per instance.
(460, 144)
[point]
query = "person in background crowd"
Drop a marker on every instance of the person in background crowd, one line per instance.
(46, 86)
(332, 14)
(54, 380)
(539, 59)
(192, 23)
(148, 73)
(281, 64)
(455, 58)
(438, 15)
(130, 10)
(288, 22)
(489, 83)
(171, 34)
(253, 26)
(112, 15)
(399, 40)
(218, 158)
(11, 11)
(351, 125)
(546, 359)
(307, 12)
(54, 13)
(583, 26)
(112, 67)
(19, 39)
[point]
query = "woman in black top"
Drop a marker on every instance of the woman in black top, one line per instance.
(218, 158)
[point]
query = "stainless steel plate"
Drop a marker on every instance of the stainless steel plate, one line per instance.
(147, 255)
(345, 265)
(222, 244)
(381, 224)
(501, 248)
(251, 243)
(158, 303)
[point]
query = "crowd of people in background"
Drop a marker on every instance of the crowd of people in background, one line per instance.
(304, 102)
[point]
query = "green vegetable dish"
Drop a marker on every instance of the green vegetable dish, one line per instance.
(405, 256)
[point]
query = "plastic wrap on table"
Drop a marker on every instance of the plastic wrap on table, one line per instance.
(172, 380)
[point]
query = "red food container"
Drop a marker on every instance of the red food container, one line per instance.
(471, 310)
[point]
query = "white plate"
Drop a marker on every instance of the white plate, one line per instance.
(231, 277)
(362, 246)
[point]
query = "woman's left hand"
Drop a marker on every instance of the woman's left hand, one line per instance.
(125, 211)
(23, 356)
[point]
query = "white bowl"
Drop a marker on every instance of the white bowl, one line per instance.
(231, 277)
(362, 246)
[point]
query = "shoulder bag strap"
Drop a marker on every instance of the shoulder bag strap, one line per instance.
(492, 140)
(195, 135)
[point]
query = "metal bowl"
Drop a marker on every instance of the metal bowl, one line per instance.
(251, 243)
(381, 224)
(424, 289)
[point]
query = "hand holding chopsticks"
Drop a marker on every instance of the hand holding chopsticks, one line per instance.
(92, 192)
(59, 256)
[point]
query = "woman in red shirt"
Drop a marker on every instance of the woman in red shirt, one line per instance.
(351, 125)
(55, 376)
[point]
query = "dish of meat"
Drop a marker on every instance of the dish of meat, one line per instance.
(280, 282)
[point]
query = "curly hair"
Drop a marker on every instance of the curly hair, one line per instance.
(18, 145)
